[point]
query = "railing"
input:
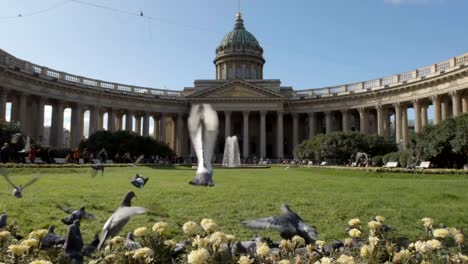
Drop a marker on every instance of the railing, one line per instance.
(389, 81)
(19, 64)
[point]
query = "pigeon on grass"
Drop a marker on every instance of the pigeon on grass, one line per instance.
(97, 167)
(74, 243)
(288, 224)
(18, 190)
(139, 181)
(51, 240)
(91, 247)
(74, 214)
(120, 218)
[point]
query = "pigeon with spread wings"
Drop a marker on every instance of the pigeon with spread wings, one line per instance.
(18, 190)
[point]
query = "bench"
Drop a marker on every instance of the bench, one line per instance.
(424, 165)
(391, 164)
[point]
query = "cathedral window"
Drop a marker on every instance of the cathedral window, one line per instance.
(247, 72)
(230, 72)
(239, 72)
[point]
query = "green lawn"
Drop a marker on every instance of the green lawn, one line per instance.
(325, 198)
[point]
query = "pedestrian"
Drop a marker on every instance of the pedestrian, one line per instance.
(5, 153)
(32, 153)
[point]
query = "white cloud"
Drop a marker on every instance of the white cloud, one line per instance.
(399, 2)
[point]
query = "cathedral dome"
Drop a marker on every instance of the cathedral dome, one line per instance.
(240, 39)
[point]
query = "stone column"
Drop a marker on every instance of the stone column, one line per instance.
(295, 129)
(417, 116)
(465, 104)
(386, 123)
(39, 127)
(93, 120)
(101, 120)
(162, 128)
(424, 121)
(380, 120)
(111, 118)
(363, 120)
(456, 106)
(128, 121)
(180, 136)
(404, 128)
(146, 124)
(56, 133)
(280, 135)
(328, 122)
(312, 124)
(444, 109)
(3, 102)
(437, 111)
(398, 124)
(138, 124)
(227, 124)
(345, 120)
(245, 143)
(262, 134)
(23, 113)
(76, 126)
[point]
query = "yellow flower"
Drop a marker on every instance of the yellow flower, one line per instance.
(129, 254)
(117, 240)
(199, 242)
(38, 234)
(40, 262)
(348, 242)
(405, 254)
(440, 233)
(170, 243)
(245, 260)
(218, 238)
(365, 251)
(354, 222)
(374, 225)
(141, 231)
(160, 228)
(459, 238)
(298, 260)
(421, 246)
(373, 241)
(231, 238)
(320, 243)
(143, 253)
(434, 244)
(30, 243)
(286, 245)
(298, 241)
(310, 248)
(380, 218)
(110, 258)
(356, 233)
(463, 258)
(191, 228)
(284, 261)
(427, 222)
(344, 259)
(263, 250)
(4, 235)
(326, 260)
(17, 250)
(199, 256)
(209, 225)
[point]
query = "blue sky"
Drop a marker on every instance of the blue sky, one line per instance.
(307, 43)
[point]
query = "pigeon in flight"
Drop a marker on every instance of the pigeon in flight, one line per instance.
(89, 249)
(74, 214)
(120, 218)
(74, 242)
(139, 181)
(97, 167)
(18, 190)
(3, 219)
(51, 240)
(141, 13)
(288, 224)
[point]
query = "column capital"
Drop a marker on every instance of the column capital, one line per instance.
(344, 111)
(328, 112)
(312, 114)
(245, 113)
(455, 94)
(280, 113)
(416, 102)
(379, 106)
(263, 113)
(227, 112)
(435, 98)
(295, 115)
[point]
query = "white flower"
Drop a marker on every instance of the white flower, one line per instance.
(209, 225)
(440, 233)
(160, 228)
(143, 253)
(245, 260)
(427, 222)
(320, 243)
(354, 222)
(298, 241)
(434, 244)
(117, 240)
(380, 218)
(4, 235)
(38, 234)
(286, 245)
(141, 231)
(263, 250)
(421, 246)
(18, 250)
(30, 243)
(191, 228)
(356, 233)
(284, 261)
(40, 262)
(374, 225)
(217, 238)
(199, 256)
(326, 260)
(200, 242)
(344, 259)
(373, 241)
(365, 251)
(459, 238)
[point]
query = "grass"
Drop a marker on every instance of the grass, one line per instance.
(325, 198)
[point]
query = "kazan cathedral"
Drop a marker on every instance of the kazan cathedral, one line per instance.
(268, 119)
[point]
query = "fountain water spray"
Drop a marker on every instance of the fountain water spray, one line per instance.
(231, 157)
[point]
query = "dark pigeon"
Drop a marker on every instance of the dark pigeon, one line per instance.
(288, 224)
(139, 181)
(3, 219)
(120, 218)
(51, 240)
(91, 247)
(74, 243)
(74, 214)
(130, 243)
(18, 190)
(97, 167)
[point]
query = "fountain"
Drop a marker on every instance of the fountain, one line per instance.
(231, 157)
(203, 128)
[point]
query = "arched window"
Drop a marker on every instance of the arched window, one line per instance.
(255, 73)
(239, 72)
(247, 71)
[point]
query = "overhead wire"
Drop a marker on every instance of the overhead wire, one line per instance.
(21, 15)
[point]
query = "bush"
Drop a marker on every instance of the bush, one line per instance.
(405, 159)
(377, 161)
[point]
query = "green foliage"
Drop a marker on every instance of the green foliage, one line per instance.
(7, 129)
(377, 160)
(445, 145)
(405, 158)
(339, 146)
(120, 142)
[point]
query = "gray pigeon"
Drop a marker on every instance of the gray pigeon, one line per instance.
(3, 219)
(120, 218)
(288, 224)
(130, 243)
(51, 240)
(74, 214)
(139, 181)
(97, 167)
(74, 242)
(89, 249)
(18, 190)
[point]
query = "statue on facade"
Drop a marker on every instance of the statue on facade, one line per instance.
(203, 129)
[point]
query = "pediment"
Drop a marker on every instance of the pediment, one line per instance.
(237, 89)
